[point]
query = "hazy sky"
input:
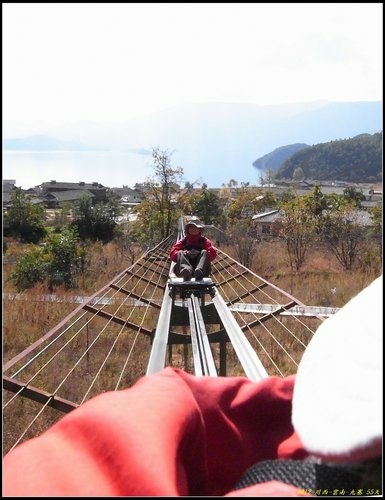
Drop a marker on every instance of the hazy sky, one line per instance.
(110, 62)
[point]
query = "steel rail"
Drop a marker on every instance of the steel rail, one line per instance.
(251, 363)
(202, 355)
(159, 343)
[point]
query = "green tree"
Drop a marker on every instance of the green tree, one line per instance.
(62, 215)
(343, 234)
(105, 219)
(165, 186)
(240, 224)
(128, 245)
(23, 220)
(317, 203)
(298, 230)
(158, 213)
(83, 218)
(186, 200)
(354, 195)
(248, 203)
(207, 207)
(287, 195)
(32, 268)
(61, 258)
(298, 174)
(189, 186)
(96, 222)
(67, 257)
(244, 241)
(268, 178)
(145, 228)
(376, 229)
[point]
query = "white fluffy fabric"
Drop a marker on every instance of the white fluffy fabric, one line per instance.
(337, 401)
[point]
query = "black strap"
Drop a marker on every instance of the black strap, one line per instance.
(308, 475)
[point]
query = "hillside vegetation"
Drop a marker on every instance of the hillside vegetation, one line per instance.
(275, 159)
(352, 160)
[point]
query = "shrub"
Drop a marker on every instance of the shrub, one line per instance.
(32, 268)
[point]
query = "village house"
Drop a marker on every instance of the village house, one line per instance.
(267, 224)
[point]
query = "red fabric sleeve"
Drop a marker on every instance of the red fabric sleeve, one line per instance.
(175, 249)
(211, 250)
(171, 434)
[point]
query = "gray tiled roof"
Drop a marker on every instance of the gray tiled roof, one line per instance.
(71, 185)
(270, 216)
(71, 195)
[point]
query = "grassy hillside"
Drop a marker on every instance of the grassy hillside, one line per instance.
(353, 160)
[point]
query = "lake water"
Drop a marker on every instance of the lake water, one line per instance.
(118, 168)
(110, 168)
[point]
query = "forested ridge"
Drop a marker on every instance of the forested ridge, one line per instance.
(353, 160)
(276, 158)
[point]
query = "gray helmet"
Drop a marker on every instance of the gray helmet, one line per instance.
(196, 222)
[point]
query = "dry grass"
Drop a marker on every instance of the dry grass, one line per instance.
(26, 320)
(321, 282)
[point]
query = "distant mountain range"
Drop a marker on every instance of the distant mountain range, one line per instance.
(217, 141)
(273, 160)
(41, 142)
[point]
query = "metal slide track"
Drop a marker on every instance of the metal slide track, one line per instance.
(203, 357)
(233, 323)
(159, 346)
(250, 362)
(204, 363)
